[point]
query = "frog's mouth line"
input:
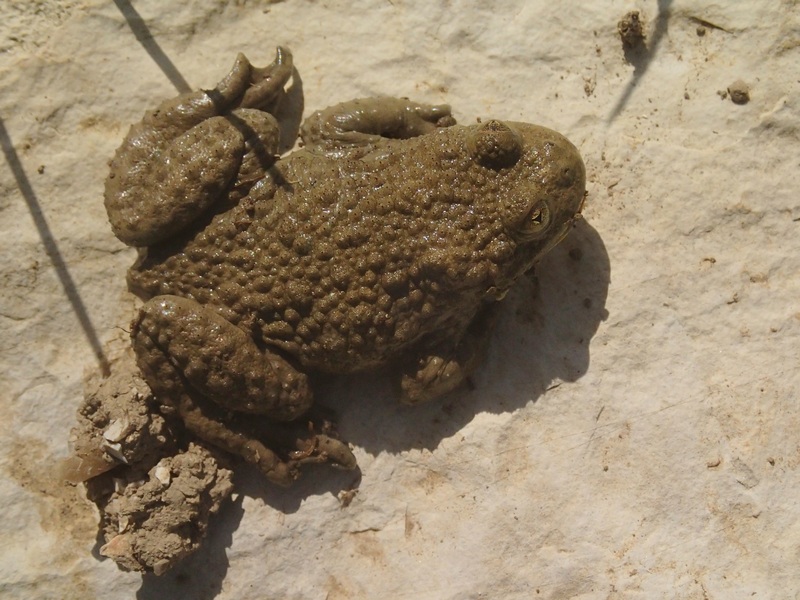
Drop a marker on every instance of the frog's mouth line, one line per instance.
(564, 232)
(568, 225)
(556, 240)
(579, 212)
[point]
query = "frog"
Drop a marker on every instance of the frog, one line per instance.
(386, 240)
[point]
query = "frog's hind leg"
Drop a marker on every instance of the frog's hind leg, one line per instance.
(204, 366)
(187, 153)
(364, 124)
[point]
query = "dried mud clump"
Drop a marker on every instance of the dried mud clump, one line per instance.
(155, 493)
(117, 425)
(151, 525)
(631, 31)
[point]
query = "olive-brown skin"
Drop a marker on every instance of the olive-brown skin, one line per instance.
(354, 252)
(357, 261)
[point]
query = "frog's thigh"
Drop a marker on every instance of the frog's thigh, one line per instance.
(367, 120)
(182, 181)
(219, 360)
(203, 418)
(438, 373)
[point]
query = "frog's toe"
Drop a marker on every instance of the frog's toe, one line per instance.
(439, 115)
(230, 89)
(246, 86)
(267, 83)
(324, 449)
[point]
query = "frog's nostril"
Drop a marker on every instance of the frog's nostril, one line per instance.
(567, 177)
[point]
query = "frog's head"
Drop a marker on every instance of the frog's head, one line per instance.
(539, 187)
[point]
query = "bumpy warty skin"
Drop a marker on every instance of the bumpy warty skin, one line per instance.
(346, 264)
(388, 238)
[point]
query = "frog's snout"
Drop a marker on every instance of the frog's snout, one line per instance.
(564, 177)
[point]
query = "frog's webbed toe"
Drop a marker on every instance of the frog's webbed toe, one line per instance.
(443, 370)
(267, 84)
(364, 124)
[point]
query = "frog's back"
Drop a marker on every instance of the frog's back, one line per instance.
(351, 263)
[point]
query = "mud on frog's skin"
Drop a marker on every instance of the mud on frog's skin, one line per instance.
(389, 238)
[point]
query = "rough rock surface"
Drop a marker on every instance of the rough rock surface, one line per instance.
(633, 432)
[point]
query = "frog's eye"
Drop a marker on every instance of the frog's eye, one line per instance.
(495, 144)
(537, 220)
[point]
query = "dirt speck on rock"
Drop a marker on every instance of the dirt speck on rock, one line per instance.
(631, 30)
(739, 92)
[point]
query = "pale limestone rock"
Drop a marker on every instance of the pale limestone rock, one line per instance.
(633, 432)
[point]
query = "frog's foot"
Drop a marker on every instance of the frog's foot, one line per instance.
(433, 376)
(203, 365)
(306, 440)
(363, 125)
(207, 423)
(437, 374)
(194, 150)
(323, 449)
(247, 86)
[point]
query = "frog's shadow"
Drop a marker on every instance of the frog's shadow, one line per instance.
(542, 338)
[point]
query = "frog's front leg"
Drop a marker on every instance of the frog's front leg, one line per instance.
(203, 365)
(193, 150)
(437, 373)
(362, 125)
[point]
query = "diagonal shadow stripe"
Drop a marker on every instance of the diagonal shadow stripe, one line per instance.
(51, 248)
(148, 42)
